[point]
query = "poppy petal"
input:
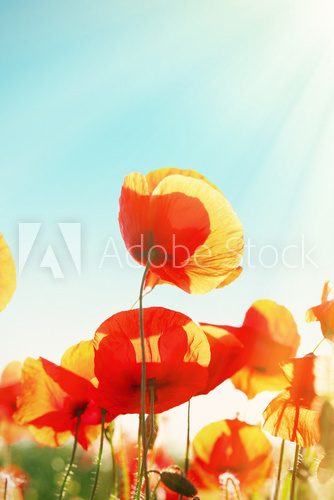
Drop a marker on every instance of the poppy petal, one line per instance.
(221, 251)
(252, 381)
(154, 177)
(7, 274)
(288, 420)
(11, 373)
(230, 277)
(227, 355)
(71, 383)
(79, 359)
(40, 394)
(47, 436)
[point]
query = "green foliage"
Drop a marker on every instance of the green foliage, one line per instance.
(46, 466)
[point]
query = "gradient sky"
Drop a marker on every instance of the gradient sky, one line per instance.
(91, 90)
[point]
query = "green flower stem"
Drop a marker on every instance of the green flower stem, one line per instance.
(114, 485)
(318, 345)
(186, 457)
(139, 459)
(279, 473)
(155, 490)
(70, 465)
(143, 469)
(124, 469)
(5, 489)
(151, 388)
(99, 457)
(294, 473)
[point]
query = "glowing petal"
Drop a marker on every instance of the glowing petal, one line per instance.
(292, 421)
(7, 274)
(40, 394)
(80, 359)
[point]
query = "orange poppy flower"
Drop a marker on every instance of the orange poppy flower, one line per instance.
(230, 447)
(228, 355)
(12, 482)
(269, 334)
(10, 389)
(324, 313)
(199, 245)
(177, 358)
(7, 274)
(54, 397)
(294, 414)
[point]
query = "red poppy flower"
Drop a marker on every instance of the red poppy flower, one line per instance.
(184, 226)
(324, 313)
(177, 356)
(269, 334)
(12, 482)
(7, 274)
(294, 414)
(231, 447)
(54, 397)
(10, 389)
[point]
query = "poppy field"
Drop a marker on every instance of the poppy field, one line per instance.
(61, 420)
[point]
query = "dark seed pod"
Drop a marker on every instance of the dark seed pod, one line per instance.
(178, 483)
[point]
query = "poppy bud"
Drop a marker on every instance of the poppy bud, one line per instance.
(175, 481)
(152, 429)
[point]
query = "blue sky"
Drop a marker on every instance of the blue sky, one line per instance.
(90, 91)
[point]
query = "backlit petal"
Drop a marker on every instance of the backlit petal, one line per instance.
(80, 359)
(227, 354)
(40, 394)
(46, 436)
(221, 252)
(291, 421)
(11, 373)
(7, 274)
(71, 383)
(252, 381)
(154, 177)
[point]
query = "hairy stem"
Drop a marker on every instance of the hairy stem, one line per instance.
(70, 465)
(113, 460)
(143, 468)
(125, 473)
(5, 489)
(186, 457)
(279, 473)
(151, 389)
(294, 473)
(99, 457)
